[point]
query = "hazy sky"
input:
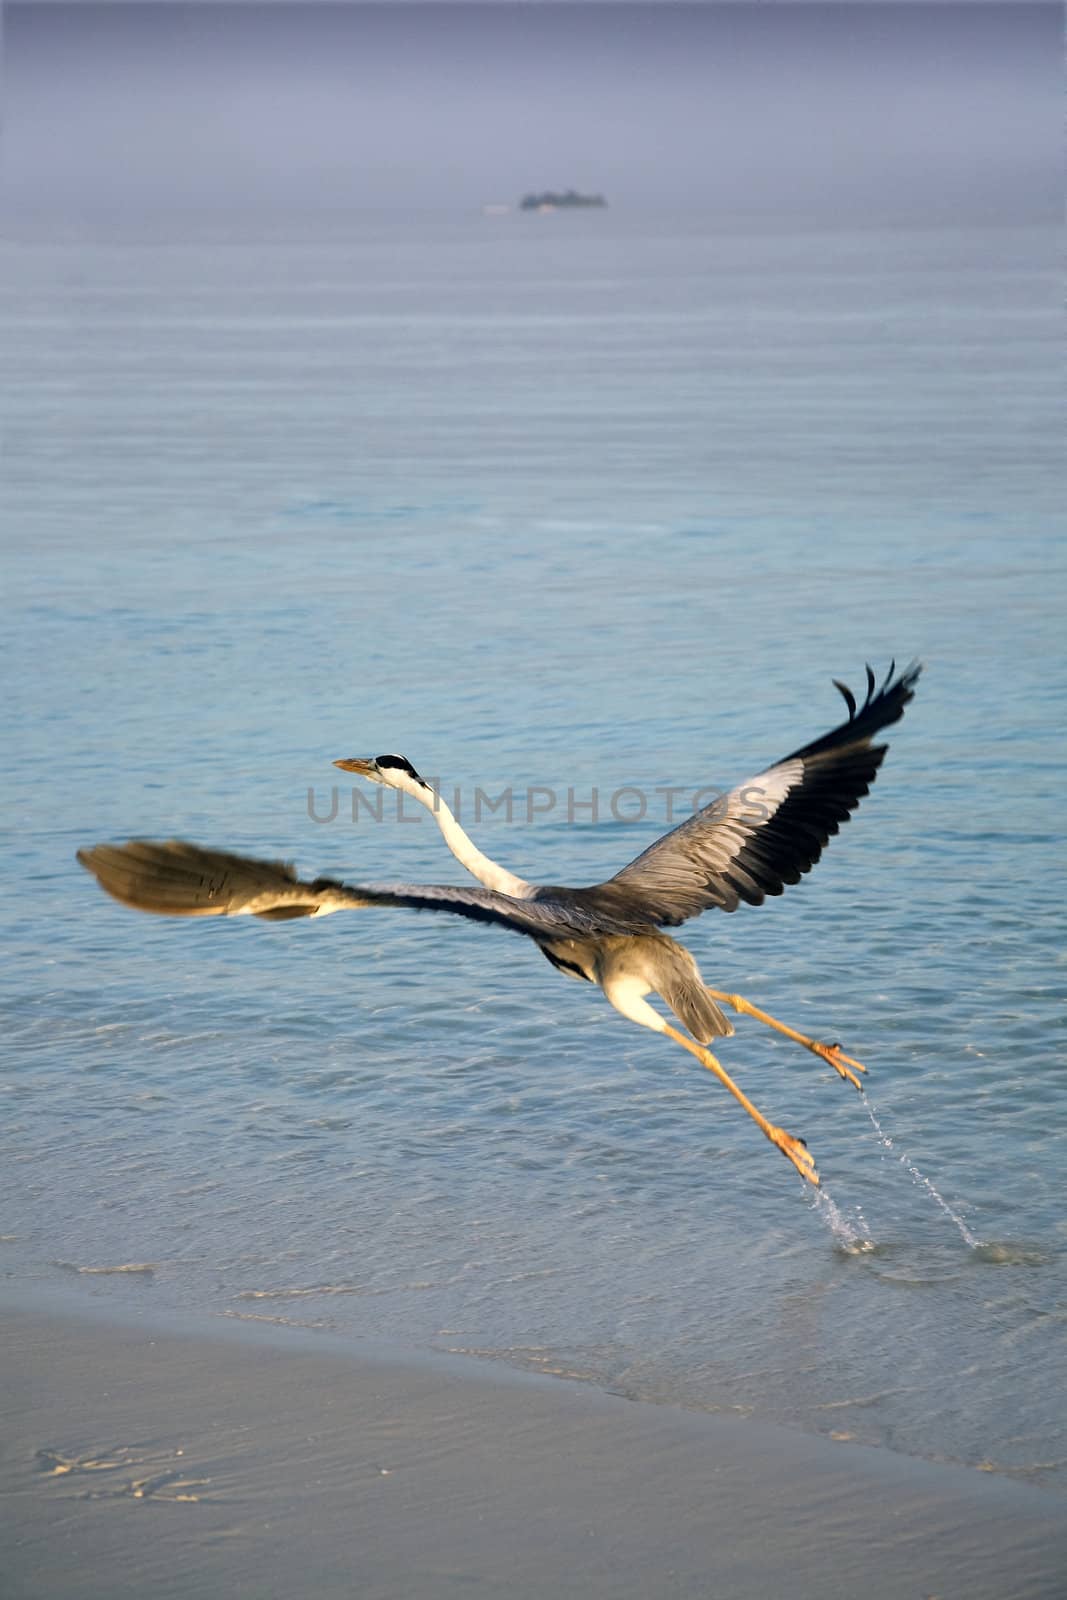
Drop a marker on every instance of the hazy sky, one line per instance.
(865, 108)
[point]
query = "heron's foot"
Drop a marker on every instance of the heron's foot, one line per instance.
(833, 1053)
(797, 1152)
(841, 1063)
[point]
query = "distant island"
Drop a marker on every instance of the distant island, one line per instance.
(552, 201)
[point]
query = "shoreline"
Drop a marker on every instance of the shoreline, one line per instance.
(269, 1461)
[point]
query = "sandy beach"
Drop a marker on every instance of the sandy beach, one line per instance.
(239, 1459)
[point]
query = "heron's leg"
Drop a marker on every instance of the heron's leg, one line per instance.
(795, 1149)
(832, 1053)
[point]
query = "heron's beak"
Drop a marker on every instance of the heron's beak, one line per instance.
(363, 769)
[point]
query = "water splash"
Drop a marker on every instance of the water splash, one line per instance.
(847, 1237)
(920, 1179)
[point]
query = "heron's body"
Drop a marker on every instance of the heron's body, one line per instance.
(630, 966)
(748, 844)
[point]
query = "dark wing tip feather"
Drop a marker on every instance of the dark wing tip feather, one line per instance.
(880, 709)
(847, 695)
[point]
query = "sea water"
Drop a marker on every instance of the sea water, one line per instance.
(558, 507)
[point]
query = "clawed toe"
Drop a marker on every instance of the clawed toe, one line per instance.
(797, 1152)
(841, 1063)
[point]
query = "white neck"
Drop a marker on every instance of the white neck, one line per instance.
(466, 852)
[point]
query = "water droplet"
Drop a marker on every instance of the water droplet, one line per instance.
(921, 1180)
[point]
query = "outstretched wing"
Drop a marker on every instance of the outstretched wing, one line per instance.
(183, 880)
(765, 833)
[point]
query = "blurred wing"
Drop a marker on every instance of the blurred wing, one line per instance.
(182, 880)
(767, 832)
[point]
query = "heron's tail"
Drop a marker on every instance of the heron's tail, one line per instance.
(694, 1007)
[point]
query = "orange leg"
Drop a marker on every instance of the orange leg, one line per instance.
(795, 1149)
(829, 1052)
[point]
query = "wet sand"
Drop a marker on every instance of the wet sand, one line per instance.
(241, 1460)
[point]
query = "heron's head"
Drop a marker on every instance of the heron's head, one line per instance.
(395, 772)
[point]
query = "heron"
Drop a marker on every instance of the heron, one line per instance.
(762, 835)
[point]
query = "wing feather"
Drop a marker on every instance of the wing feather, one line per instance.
(175, 878)
(765, 833)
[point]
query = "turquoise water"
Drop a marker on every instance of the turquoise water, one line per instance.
(576, 501)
